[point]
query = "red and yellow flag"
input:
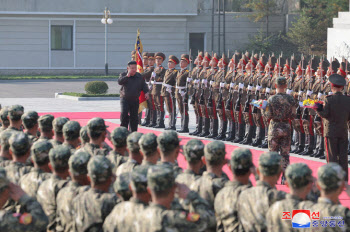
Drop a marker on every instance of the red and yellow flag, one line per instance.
(139, 49)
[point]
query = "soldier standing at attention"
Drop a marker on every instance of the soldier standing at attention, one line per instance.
(280, 108)
(168, 91)
(335, 113)
(147, 73)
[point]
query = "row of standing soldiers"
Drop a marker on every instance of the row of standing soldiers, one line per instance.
(221, 90)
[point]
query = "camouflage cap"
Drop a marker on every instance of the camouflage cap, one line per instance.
(281, 80)
(3, 179)
(4, 112)
(96, 125)
(119, 136)
(58, 124)
(241, 158)
(71, 130)
(99, 169)
(215, 152)
(4, 139)
(19, 143)
(160, 178)
(148, 143)
(270, 163)
(84, 135)
(78, 163)
(45, 122)
(330, 176)
(168, 141)
(59, 157)
(122, 182)
(132, 141)
(298, 175)
(40, 151)
(29, 119)
(139, 180)
(16, 112)
(194, 150)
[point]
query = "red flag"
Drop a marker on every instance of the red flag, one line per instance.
(139, 49)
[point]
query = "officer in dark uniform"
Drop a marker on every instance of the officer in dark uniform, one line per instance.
(335, 113)
(132, 84)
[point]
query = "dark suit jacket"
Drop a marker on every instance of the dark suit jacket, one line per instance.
(335, 114)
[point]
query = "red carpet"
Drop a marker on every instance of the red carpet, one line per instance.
(314, 165)
(88, 115)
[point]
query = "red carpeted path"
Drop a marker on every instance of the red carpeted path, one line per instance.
(84, 117)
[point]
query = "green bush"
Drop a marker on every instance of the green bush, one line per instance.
(96, 87)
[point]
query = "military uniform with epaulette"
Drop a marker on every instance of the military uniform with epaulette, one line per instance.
(150, 116)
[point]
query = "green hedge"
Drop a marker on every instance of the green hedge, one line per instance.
(89, 95)
(96, 87)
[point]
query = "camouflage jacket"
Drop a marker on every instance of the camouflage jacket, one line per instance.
(280, 107)
(117, 159)
(11, 222)
(124, 216)
(253, 204)
(93, 149)
(126, 167)
(188, 177)
(65, 204)
(225, 205)
(158, 218)
(15, 170)
(46, 196)
(55, 143)
(275, 213)
(91, 209)
(177, 170)
(31, 181)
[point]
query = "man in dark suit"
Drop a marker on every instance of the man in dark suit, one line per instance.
(336, 112)
(132, 83)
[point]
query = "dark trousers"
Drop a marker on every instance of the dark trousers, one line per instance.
(337, 152)
(129, 113)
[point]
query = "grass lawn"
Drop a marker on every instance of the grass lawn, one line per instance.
(89, 95)
(39, 77)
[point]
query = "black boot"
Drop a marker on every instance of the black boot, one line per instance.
(160, 120)
(210, 136)
(205, 127)
(301, 143)
(320, 152)
(296, 142)
(250, 135)
(184, 124)
(214, 129)
(147, 118)
(231, 131)
(240, 133)
(222, 131)
(199, 127)
(153, 118)
(259, 136)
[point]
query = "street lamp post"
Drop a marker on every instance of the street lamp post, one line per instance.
(106, 20)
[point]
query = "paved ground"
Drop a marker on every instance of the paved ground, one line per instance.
(47, 88)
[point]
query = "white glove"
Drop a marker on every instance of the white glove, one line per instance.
(300, 92)
(189, 79)
(232, 85)
(319, 95)
(222, 85)
(309, 92)
(267, 90)
(240, 85)
(211, 83)
(152, 82)
(289, 91)
(153, 74)
(258, 87)
(330, 93)
(250, 87)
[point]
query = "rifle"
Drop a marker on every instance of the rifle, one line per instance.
(257, 93)
(320, 93)
(185, 99)
(238, 102)
(249, 91)
(219, 103)
(193, 97)
(201, 97)
(210, 99)
(232, 84)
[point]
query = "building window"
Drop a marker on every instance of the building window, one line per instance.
(62, 38)
(197, 42)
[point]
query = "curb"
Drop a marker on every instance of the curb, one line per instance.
(59, 95)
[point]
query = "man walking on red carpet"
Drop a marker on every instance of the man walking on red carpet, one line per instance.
(132, 84)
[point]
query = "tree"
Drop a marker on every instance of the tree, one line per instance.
(309, 33)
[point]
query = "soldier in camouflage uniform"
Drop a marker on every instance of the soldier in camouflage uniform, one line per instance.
(121, 186)
(14, 116)
(30, 124)
(49, 189)
(169, 148)
(93, 206)
(193, 152)
(159, 217)
(20, 149)
(148, 146)
(31, 181)
(57, 125)
(45, 126)
(135, 157)
(253, 203)
(119, 154)
(227, 199)
(78, 173)
(123, 216)
(331, 183)
(70, 132)
(5, 156)
(214, 179)
(32, 219)
(300, 181)
(280, 109)
(97, 132)
(4, 119)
